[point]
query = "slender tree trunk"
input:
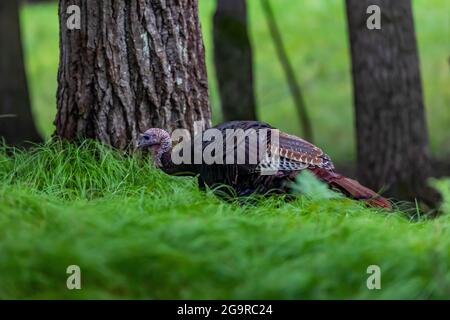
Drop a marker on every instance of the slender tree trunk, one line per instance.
(133, 65)
(390, 118)
(16, 119)
(233, 60)
(291, 78)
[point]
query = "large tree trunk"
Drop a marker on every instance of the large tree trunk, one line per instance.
(133, 65)
(16, 119)
(390, 118)
(233, 60)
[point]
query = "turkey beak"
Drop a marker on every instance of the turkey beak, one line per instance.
(143, 141)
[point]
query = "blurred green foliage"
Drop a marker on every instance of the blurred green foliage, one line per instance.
(307, 184)
(315, 35)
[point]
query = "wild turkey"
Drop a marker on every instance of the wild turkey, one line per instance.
(293, 154)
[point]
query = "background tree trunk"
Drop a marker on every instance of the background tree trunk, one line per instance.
(291, 78)
(133, 65)
(233, 60)
(16, 118)
(391, 129)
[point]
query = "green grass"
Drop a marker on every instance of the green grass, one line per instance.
(316, 39)
(137, 233)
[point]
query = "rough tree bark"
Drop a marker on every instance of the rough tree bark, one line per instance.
(133, 65)
(392, 136)
(16, 119)
(234, 60)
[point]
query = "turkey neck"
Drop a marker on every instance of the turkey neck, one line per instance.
(175, 169)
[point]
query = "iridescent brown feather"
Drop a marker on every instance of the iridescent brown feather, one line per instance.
(299, 150)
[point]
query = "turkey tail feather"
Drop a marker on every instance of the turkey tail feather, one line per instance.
(352, 188)
(359, 192)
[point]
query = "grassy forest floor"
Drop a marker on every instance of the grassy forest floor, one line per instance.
(137, 233)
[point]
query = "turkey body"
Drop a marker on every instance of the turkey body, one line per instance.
(293, 155)
(244, 179)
